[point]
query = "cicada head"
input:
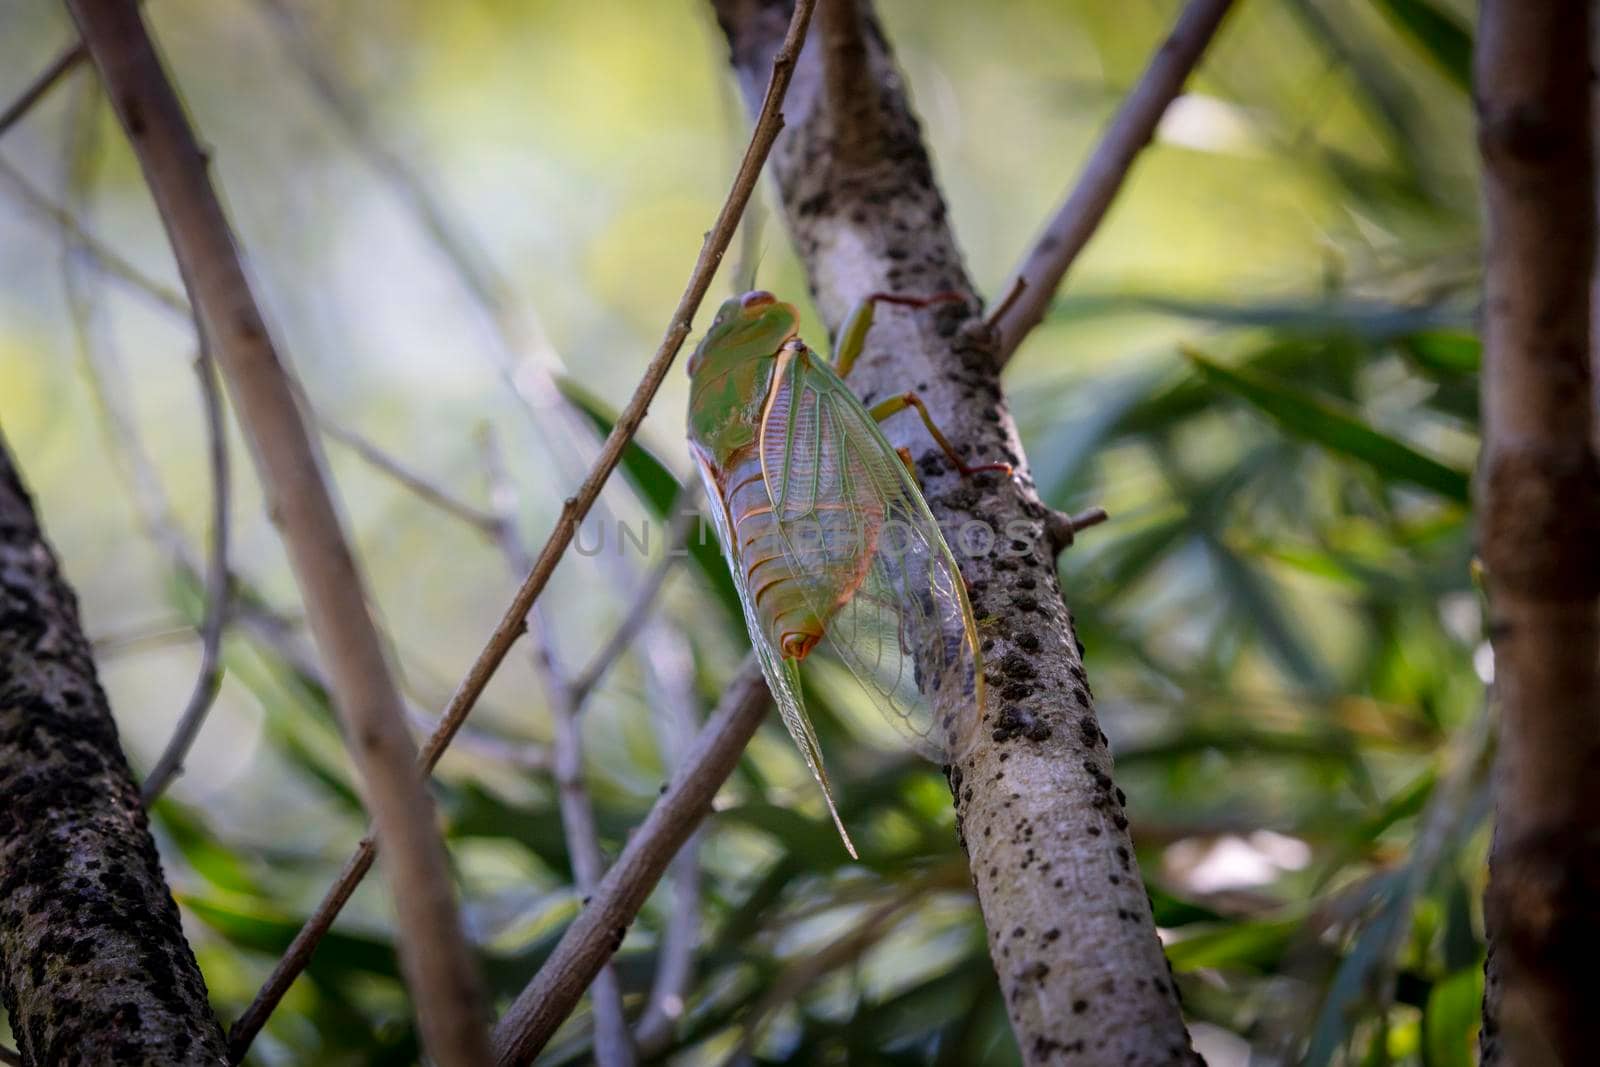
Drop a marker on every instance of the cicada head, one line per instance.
(746, 327)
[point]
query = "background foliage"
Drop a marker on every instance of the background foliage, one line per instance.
(1264, 367)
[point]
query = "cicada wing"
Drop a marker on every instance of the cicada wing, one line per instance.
(783, 676)
(896, 609)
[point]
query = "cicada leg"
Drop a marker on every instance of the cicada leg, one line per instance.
(853, 336)
(884, 408)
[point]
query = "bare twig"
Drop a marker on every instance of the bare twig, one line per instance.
(669, 674)
(1061, 529)
(1538, 509)
(1047, 262)
(46, 80)
(613, 1043)
(667, 665)
(638, 613)
(434, 954)
(599, 928)
(218, 593)
(154, 634)
(108, 258)
(420, 484)
(521, 349)
(512, 624)
(155, 506)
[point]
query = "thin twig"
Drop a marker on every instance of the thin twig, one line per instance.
(42, 84)
(512, 623)
(218, 592)
(595, 933)
(1047, 262)
(522, 352)
(135, 638)
(10, 1058)
(438, 966)
(424, 487)
(669, 679)
(111, 261)
(154, 503)
(613, 1043)
(269, 629)
(638, 612)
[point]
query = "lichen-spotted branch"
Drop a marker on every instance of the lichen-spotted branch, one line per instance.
(1070, 928)
(94, 967)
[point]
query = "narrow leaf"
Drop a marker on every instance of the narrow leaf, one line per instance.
(1320, 422)
(1437, 33)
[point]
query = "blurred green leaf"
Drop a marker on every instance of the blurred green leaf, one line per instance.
(1437, 33)
(209, 857)
(1450, 1021)
(1252, 945)
(661, 491)
(1351, 985)
(1451, 352)
(1319, 422)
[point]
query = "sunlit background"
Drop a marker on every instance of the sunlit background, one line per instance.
(447, 207)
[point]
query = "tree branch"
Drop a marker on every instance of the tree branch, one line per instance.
(95, 965)
(1539, 521)
(108, 259)
(41, 85)
(155, 509)
(438, 967)
(636, 617)
(613, 1042)
(513, 622)
(1071, 932)
(1039, 275)
(219, 593)
(669, 668)
(597, 931)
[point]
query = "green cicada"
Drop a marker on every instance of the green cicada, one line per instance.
(826, 531)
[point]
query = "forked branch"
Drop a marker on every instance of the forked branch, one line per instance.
(1071, 932)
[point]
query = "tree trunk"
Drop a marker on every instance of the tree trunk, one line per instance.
(1070, 928)
(95, 966)
(1539, 525)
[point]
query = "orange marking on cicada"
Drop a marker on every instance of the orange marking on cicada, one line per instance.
(798, 644)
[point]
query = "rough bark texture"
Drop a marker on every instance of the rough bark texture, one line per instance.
(1539, 524)
(1070, 928)
(95, 966)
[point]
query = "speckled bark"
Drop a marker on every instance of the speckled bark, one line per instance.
(1070, 928)
(94, 968)
(1539, 527)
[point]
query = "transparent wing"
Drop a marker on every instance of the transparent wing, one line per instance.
(895, 606)
(783, 677)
